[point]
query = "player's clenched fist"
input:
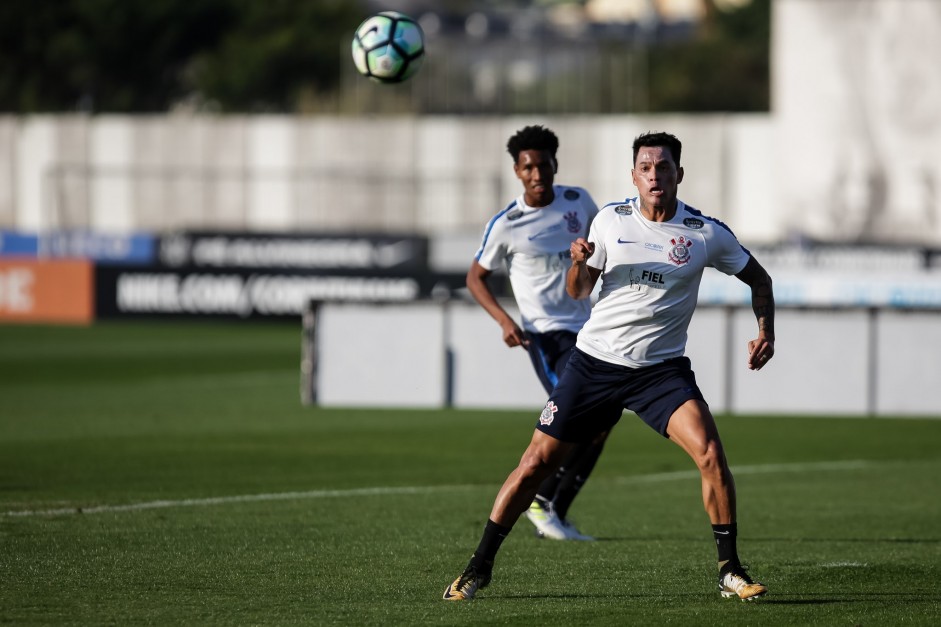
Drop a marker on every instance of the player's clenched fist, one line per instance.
(581, 250)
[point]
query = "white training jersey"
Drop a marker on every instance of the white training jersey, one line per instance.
(534, 244)
(650, 280)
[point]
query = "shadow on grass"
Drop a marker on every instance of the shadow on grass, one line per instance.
(906, 597)
(853, 540)
(698, 539)
(647, 539)
(767, 600)
(801, 601)
(568, 596)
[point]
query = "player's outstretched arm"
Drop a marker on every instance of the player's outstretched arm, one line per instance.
(581, 278)
(479, 288)
(761, 349)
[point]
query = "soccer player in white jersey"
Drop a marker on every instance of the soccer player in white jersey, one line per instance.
(531, 238)
(650, 252)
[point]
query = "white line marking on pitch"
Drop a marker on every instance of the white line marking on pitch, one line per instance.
(387, 491)
(242, 498)
(751, 470)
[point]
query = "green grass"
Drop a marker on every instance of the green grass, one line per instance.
(840, 517)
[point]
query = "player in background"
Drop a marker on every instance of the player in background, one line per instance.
(650, 253)
(531, 238)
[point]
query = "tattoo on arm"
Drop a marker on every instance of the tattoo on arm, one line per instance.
(762, 295)
(762, 301)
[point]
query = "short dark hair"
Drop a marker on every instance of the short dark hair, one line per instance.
(659, 139)
(532, 138)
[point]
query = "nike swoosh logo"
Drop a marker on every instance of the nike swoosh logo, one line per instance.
(722, 533)
(626, 241)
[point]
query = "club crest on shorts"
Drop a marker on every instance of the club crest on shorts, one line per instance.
(548, 414)
(679, 254)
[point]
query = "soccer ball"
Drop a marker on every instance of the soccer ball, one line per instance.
(388, 47)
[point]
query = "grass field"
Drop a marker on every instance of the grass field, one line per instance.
(167, 474)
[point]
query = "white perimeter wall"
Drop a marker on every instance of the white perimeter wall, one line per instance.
(856, 96)
(851, 151)
(842, 362)
(434, 175)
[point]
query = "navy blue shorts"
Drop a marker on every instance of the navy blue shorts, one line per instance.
(549, 352)
(591, 395)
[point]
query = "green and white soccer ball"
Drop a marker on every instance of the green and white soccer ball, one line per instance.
(388, 47)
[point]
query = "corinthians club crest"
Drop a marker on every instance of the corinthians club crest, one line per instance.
(548, 414)
(679, 254)
(572, 221)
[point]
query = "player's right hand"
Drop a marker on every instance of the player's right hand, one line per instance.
(581, 249)
(514, 336)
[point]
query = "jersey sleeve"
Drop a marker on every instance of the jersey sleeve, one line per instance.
(730, 256)
(591, 207)
(493, 247)
(596, 236)
(588, 203)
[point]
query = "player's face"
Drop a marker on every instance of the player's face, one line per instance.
(536, 170)
(656, 176)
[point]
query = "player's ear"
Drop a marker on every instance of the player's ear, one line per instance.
(679, 175)
(555, 166)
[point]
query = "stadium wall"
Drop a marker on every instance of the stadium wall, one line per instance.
(56, 291)
(445, 176)
(430, 175)
(856, 93)
(850, 152)
(843, 362)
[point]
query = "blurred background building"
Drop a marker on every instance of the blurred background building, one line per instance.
(124, 116)
(810, 126)
(223, 159)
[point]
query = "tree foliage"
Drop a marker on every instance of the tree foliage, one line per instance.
(147, 56)
(139, 56)
(725, 67)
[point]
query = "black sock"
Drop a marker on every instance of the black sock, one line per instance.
(550, 485)
(725, 544)
(486, 552)
(582, 462)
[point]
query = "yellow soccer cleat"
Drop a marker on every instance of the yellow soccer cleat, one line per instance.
(465, 587)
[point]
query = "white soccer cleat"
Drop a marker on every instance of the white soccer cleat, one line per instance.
(737, 583)
(549, 525)
(547, 522)
(574, 534)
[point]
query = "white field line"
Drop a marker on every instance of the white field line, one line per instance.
(241, 498)
(762, 469)
(391, 490)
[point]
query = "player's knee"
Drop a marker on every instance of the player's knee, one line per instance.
(535, 465)
(711, 461)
